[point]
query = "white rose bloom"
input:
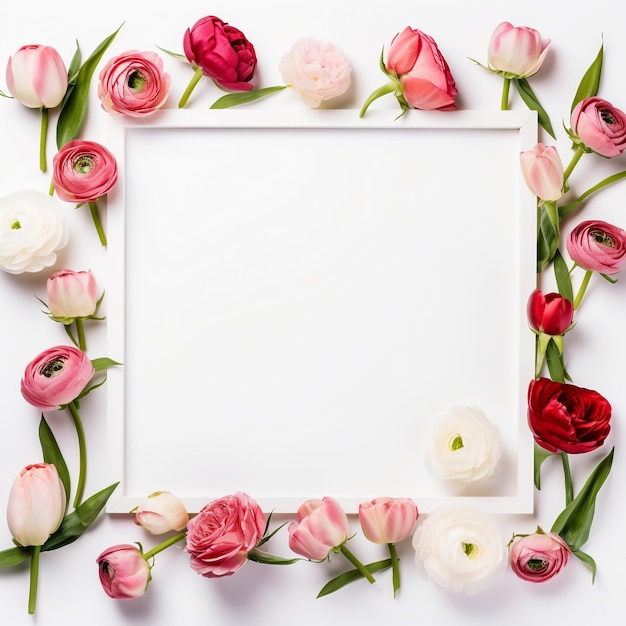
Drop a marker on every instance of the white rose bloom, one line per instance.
(316, 70)
(32, 229)
(460, 549)
(465, 446)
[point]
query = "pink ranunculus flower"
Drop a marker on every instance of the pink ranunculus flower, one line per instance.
(549, 313)
(56, 377)
(222, 534)
(37, 77)
(71, 295)
(36, 504)
(599, 127)
(388, 520)
(83, 171)
(320, 526)
(598, 246)
(516, 51)
(161, 512)
(542, 169)
(316, 70)
(124, 573)
(538, 557)
(133, 84)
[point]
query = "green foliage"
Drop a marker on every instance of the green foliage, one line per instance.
(52, 454)
(540, 455)
(244, 97)
(590, 82)
(352, 576)
(531, 101)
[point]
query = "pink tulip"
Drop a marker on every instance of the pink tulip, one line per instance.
(36, 76)
(516, 52)
(71, 295)
(599, 126)
(538, 557)
(598, 246)
(320, 526)
(161, 513)
(124, 573)
(56, 377)
(36, 504)
(543, 171)
(550, 313)
(388, 520)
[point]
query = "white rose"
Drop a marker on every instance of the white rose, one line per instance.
(465, 445)
(32, 229)
(316, 70)
(460, 549)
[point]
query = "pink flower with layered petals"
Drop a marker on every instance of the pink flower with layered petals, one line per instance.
(599, 126)
(124, 573)
(516, 51)
(388, 520)
(598, 246)
(538, 557)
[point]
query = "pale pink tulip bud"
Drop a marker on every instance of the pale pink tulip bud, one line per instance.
(124, 573)
(161, 513)
(71, 295)
(516, 51)
(542, 169)
(36, 504)
(37, 77)
(388, 520)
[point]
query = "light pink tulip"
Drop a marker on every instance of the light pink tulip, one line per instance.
(598, 246)
(542, 169)
(71, 295)
(600, 126)
(124, 573)
(36, 76)
(516, 52)
(161, 513)
(36, 504)
(320, 526)
(388, 520)
(538, 557)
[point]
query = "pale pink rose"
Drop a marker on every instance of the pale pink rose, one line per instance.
(318, 71)
(221, 535)
(36, 76)
(516, 51)
(598, 246)
(388, 520)
(133, 84)
(320, 526)
(124, 573)
(160, 513)
(538, 557)
(542, 169)
(36, 504)
(83, 171)
(56, 377)
(599, 126)
(71, 295)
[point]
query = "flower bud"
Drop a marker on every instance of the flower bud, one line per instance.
(124, 573)
(543, 171)
(516, 51)
(71, 295)
(388, 520)
(36, 504)
(161, 513)
(551, 313)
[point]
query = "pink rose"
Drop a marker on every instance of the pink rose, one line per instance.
(538, 557)
(83, 171)
(599, 126)
(161, 512)
(320, 526)
(56, 377)
(133, 84)
(550, 313)
(124, 573)
(597, 246)
(36, 504)
(221, 535)
(71, 295)
(516, 52)
(388, 520)
(543, 171)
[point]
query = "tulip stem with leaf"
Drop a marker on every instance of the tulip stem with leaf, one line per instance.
(195, 79)
(95, 216)
(43, 139)
(82, 452)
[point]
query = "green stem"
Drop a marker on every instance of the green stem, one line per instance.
(34, 579)
(390, 87)
(166, 544)
(572, 206)
(82, 453)
(572, 164)
(80, 331)
(42, 139)
(93, 208)
(569, 488)
(395, 568)
(583, 287)
(190, 87)
(506, 87)
(357, 564)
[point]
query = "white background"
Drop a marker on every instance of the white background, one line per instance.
(69, 589)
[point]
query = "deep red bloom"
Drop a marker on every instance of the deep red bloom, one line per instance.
(550, 313)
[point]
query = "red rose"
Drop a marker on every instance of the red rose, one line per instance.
(567, 418)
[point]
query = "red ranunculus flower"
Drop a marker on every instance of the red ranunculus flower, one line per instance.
(567, 418)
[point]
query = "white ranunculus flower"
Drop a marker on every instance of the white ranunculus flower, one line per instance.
(32, 230)
(465, 445)
(316, 70)
(460, 549)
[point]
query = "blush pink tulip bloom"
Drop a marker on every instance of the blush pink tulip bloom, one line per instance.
(549, 313)
(161, 513)
(71, 295)
(539, 557)
(542, 169)
(599, 126)
(388, 520)
(124, 573)
(598, 246)
(516, 52)
(36, 504)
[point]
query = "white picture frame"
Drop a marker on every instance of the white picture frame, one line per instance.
(319, 287)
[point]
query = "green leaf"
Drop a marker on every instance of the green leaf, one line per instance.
(554, 360)
(352, 576)
(540, 455)
(570, 207)
(103, 363)
(531, 101)
(590, 82)
(563, 277)
(574, 522)
(588, 561)
(74, 108)
(77, 522)
(258, 556)
(176, 55)
(52, 454)
(244, 97)
(547, 241)
(13, 556)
